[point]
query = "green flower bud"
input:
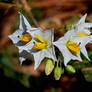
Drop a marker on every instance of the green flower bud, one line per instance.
(70, 68)
(57, 72)
(49, 66)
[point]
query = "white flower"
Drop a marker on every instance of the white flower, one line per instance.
(70, 46)
(22, 39)
(69, 49)
(43, 47)
(75, 40)
(79, 30)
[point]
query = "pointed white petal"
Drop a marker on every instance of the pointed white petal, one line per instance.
(38, 57)
(66, 54)
(82, 20)
(84, 52)
(23, 54)
(84, 41)
(14, 37)
(69, 33)
(61, 41)
(24, 24)
(48, 35)
(50, 53)
(21, 59)
(84, 25)
(76, 57)
(52, 34)
(85, 30)
(79, 39)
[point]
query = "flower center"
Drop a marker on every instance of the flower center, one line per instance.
(82, 34)
(73, 47)
(41, 44)
(26, 37)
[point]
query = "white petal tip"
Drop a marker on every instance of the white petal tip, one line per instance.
(9, 36)
(65, 63)
(21, 60)
(85, 15)
(35, 67)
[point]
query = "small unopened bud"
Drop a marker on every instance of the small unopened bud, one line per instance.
(70, 68)
(49, 66)
(57, 72)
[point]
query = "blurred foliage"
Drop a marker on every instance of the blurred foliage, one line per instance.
(37, 12)
(8, 67)
(53, 90)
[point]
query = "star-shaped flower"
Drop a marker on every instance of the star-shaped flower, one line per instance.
(79, 30)
(22, 39)
(43, 47)
(70, 46)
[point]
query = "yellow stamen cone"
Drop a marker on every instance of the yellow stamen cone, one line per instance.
(26, 38)
(73, 47)
(38, 37)
(82, 34)
(39, 46)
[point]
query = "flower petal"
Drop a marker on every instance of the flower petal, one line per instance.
(21, 59)
(82, 20)
(50, 53)
(14, 37)
(84, 52)
(38, 57)
(24, 24)
(69, 33)
(23, 54)
(85, 30)
(84, 25)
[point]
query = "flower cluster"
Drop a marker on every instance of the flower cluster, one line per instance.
(40, 44)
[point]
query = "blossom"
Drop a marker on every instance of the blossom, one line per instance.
(79, 30)
(75, 40)
(22, 39)
(70, 46)
(43, 47)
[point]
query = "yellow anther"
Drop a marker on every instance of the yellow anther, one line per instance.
(73, 47)
(82, 34)
(39, 46)
(39, 38)
(26, 38)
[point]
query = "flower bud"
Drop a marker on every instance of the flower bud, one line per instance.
(57, 72)
(49, 66)
(70, 68)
